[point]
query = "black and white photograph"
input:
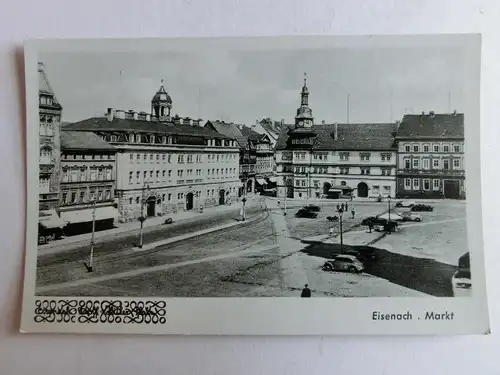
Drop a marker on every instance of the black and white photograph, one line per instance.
(254, 171)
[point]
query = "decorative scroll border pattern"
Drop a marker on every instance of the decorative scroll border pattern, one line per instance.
(105, 311)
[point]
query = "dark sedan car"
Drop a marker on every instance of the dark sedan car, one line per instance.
(380, 224)
(422, 207)
(306, 214)
(363, 254)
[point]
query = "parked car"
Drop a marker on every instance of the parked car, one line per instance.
(343, 262)
(332, 218)
(313, 207)
(168, 220)
(461, 279)
(411, 216)
(306, 213)
(380, 223)
(422, 207)
(405, 204)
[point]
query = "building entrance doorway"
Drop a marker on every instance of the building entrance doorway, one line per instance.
(451, 189)
(362, 190)
(151, 206)
(189, 201)
(222, 197)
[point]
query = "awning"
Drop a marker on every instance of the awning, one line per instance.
(273, 179)
(85, 215)
(49, 219)
(261, 181)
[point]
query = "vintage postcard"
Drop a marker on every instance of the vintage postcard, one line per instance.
(291, 185)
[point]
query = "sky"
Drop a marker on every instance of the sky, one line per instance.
(244, 86)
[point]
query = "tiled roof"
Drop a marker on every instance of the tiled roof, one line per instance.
(439, 125)
(79, 140)
(252, 134)
(97, 124)
(349, 137)
(229, 130)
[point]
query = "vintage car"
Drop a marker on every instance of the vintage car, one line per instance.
(305, 213)
(405, 204)
(411, 216)
(422, 207)
(344, 262)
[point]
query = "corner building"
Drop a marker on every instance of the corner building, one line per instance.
(431, 160)
(335, 160)
(165, 164)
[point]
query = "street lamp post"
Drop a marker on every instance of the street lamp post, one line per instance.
(340, 210)
(389, 203)
(286, 194)
(92, 238)
(142, 218)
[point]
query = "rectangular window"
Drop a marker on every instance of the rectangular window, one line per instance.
(446, 164)
(297, 182)
(415, 148)
(446, 148)
(416, 184)
(157, 175)
(436, 148)
(150, 174)
(427, 184)
(415, 163)
(163, 174)
(426, 148)
(435, 184)
(407, 183)
(150, 156)
(131, 157)
(407, 148)
(435, 163)
(425, 163)
(407, 163)
(456, 164)
(180, 159)
(137, 176)
(130, 177)
(169, 158)
(456, 148)
(82, 196)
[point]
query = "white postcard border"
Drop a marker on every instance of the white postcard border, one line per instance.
(264, 316)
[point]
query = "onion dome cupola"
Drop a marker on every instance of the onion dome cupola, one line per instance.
(304, 117)
(161, 104)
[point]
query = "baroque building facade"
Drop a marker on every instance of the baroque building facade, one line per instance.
(334, 160)
(247, 153)
(49, 139)
(166, 164)
(431, 160)
(88, 173)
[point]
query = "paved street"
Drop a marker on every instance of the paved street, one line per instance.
(270, 255)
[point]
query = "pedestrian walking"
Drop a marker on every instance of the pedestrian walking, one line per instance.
(306, 292)
(353, 213)
(370, 225)
(278, 203)
(330, 232)
(346, 207)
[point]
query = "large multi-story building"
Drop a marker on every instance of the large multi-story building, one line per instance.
(431, 156)
(88, 173)
(49, 126)
(265, 167)
(247, 153)
(331, 160)
(166, 164)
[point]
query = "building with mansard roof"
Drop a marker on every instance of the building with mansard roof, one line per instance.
(164, 163)
(332, 160)
(431, 156)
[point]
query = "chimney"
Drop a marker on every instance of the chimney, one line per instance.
(200, 122)
(454, 112)
(148, 117)
(322, 122)
(110, 115)
(431, 113)
(187, 121)
(135, 115)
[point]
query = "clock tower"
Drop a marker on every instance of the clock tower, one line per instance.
(161, 104)
(304, 117)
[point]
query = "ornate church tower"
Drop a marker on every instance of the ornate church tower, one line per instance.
(304, 117)
(161, 104)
